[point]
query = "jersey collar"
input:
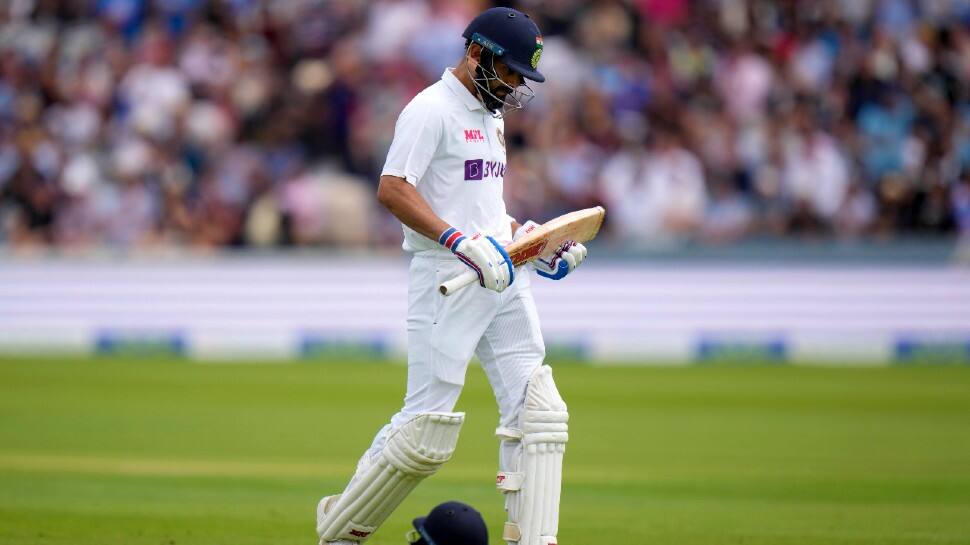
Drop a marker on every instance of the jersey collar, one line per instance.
(460, 91)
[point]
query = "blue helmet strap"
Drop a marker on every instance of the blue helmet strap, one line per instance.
(488, 44)
(425, 535)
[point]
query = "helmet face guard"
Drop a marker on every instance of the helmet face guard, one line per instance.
(485, 75)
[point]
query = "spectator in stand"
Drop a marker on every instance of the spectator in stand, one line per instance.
(814, 173)
(657, 196)
(144, 123)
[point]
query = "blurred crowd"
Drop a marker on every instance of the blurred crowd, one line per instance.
(141, 123)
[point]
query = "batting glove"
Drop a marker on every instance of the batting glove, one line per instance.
(483, 255)
(558, 264)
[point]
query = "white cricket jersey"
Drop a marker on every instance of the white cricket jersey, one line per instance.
(453, 151)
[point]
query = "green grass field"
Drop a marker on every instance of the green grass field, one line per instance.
(111, 452)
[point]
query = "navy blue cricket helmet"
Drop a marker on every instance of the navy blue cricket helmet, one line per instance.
(451, 523)
(512, 36)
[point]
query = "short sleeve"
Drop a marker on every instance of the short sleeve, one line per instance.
(416, 136)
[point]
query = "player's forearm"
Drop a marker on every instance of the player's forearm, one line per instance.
(407, 205)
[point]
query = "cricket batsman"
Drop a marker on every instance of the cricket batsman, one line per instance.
(443, 179)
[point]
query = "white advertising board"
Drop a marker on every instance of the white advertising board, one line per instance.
(278, 307)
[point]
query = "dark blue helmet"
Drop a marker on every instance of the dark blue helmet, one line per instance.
(512, 36)
(451, 523)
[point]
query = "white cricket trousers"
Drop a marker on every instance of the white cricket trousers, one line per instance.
(502, 329)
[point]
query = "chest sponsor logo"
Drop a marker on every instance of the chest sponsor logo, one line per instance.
(474, 136)
(480, 169)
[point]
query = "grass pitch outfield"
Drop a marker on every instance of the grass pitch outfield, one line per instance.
(110, 452)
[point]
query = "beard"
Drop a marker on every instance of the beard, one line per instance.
(490, 96)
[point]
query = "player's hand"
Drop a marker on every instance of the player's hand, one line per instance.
(563, 261)
(524, 229)
(483, 255)
(558, 264)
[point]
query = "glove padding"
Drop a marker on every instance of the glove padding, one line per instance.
(485, 256)
(558, 264)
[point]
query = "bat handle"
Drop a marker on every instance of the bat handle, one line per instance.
(451, 286)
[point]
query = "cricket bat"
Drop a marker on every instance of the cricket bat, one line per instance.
(581, 226)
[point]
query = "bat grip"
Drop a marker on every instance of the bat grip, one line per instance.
(451, 286)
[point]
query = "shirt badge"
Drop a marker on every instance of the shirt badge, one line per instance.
(474, 136)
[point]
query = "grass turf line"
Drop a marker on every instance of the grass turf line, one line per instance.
(114, 452)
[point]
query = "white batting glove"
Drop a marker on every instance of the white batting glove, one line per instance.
(482, 254)
(559, 263)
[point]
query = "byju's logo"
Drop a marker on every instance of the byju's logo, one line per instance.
(473, 169)
(479, 169)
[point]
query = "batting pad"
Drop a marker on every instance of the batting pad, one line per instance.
(533, 488)
(412, 452)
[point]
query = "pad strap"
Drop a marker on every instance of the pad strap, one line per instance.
(511, 532)
(509, 481)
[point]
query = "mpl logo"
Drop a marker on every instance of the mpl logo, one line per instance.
(474, 136)
(479, 169)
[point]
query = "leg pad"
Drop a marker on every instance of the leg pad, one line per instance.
(534, 485)
(412, 453)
